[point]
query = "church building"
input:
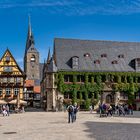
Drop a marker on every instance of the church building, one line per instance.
(32, 70)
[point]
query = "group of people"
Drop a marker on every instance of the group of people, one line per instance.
(107, 109)
(72, 112)
(5, 110)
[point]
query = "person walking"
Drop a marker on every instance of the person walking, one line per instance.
(4, 112)
(130, 107)
(90, 108)
(70, 110)
(121, 110)
(109, 110)
(7, 110)
(75, 112)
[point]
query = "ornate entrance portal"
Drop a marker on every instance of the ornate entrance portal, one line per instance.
(109, 99)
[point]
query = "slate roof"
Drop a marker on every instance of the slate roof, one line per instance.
(41, 70)
(65, 49)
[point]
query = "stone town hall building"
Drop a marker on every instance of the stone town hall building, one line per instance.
(89, 71)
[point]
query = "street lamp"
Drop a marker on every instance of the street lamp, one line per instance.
(118, 97)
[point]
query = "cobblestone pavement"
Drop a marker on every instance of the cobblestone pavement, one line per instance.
(54, 126)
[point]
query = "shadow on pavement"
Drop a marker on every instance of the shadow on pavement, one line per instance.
(29, 109)
(112, 131)
(136, 114)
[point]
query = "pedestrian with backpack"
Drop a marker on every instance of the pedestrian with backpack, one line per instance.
(70, 110)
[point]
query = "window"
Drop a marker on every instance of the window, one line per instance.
(8, 79)
(8, 91)
(75, 62)
(86, 55)
(7, 69)
(7, 58)
(5, 80)
(0, 91)
(97, 62)
(33, 58)
(80, 78)
(18, 80)
(11, 80)
(121, 56)
(33, 76)
(114, 62)
(104, 55)
(16, 91)
(66, 78)
(138, 62)
(37, 96)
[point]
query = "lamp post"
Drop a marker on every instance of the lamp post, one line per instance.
(18, 100)
(118, 97)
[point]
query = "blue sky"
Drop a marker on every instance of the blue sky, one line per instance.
(117, 20)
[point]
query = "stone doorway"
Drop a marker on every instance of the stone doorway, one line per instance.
(109, 99)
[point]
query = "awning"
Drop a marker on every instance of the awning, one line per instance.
(2, 102)
(20, 102)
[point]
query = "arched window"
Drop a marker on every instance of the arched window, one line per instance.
(75, 62)
(33, 58)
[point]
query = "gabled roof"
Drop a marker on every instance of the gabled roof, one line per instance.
(7, 50)
(36, 89)
(65, 49)
(29, 83)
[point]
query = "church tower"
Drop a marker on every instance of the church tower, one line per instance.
(31, 57)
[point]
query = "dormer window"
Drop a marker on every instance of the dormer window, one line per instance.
(138, 62)
(115, 62)
(121, 56)
(75, 62)
(86, 55)
(97, 61)
(104, 55)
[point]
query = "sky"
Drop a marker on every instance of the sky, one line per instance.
(117, 20)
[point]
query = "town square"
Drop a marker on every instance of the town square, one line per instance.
(69, 69)
(54, 126)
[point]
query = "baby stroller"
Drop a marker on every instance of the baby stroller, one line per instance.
(103, 111)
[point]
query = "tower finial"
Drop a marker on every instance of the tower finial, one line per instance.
(29, 25)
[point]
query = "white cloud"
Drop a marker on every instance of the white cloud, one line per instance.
(31, 4)
(77, 7)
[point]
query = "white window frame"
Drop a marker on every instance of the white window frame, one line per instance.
(8, 91)
(1, 91)
(16, 91)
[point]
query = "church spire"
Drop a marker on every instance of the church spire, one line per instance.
(29, 27)
(49, 57)
(30, 37)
